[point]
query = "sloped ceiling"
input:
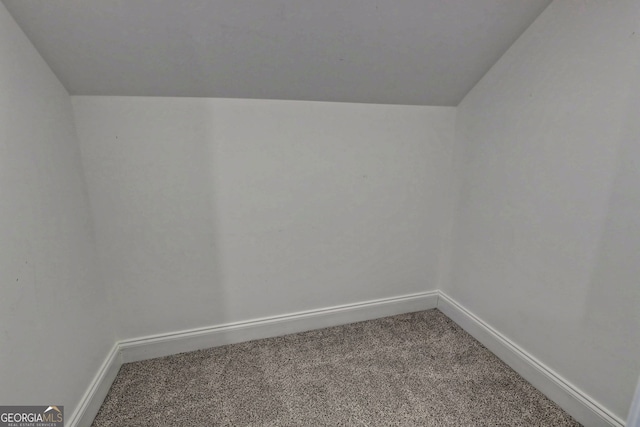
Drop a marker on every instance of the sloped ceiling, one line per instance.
(424, 52)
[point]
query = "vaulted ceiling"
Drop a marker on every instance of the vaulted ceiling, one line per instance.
(424, 52)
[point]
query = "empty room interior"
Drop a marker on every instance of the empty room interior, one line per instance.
(359, 213)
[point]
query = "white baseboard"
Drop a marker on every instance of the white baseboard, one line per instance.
(92, 400)
(230, 333)
(578, 404)
(196, 339)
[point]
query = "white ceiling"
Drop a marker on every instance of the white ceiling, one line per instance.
(425, 52)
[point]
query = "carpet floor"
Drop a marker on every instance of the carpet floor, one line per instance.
(417, 369)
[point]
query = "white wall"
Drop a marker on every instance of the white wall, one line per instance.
(547, 235)
(54, 322)
(213, 211)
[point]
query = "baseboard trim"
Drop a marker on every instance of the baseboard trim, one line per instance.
(94, 396)
(570, 398)
(581, 406)
(231, 333)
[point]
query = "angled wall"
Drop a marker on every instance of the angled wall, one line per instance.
(546, 239)
(54, 316)
(210, 211)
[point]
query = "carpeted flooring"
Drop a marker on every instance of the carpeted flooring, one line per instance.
(417, 369)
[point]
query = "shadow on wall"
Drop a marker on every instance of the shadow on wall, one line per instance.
(212, 211)
(149, 171)
(546, 233)
(614, 287)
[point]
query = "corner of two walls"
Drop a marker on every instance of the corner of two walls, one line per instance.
(152, 215)
(56, 325)
(213, 211)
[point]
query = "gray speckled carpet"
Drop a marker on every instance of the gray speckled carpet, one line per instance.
(417, 369)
